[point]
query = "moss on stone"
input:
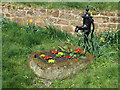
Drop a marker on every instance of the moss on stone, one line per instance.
(89, 12)
(14, 6)
(3, 4)
(95, 13)
(8, 6)
(21, 7)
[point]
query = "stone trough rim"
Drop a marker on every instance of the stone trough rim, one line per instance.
(37, 65)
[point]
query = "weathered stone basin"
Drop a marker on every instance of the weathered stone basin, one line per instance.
(58, 70)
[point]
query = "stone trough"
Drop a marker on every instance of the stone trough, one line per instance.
(58, 70)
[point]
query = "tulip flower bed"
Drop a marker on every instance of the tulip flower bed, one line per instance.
(61, 54)
(60, 62)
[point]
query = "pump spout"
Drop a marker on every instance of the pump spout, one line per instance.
(80, 28)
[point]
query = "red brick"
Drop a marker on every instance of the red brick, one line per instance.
(51, 20)
(37, 13)
(65, 22)
(101, 19)
(57, 27)
(26, 8)
(115, 20)
(82, 13)
(40, 24)
(118, 13)
(30, 12)
(107, 13)
(43, 10)
(102, 13)
(7, 15)
(54, 13)
(12, 11)
(36, 9)
(21, 21)
(5, 10)
(78, 18)
(13, 15)
(103, 25)
(76, 12)
(20, 13)
(68, 11)
(67, 28)
(67, 16)
(76, 23)
(27, 17)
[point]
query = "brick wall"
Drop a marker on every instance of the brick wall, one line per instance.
(61, 19)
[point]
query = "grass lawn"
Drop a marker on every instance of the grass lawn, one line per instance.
(20, 41)
(99, 6)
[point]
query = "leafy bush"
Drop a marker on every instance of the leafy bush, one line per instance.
(110, 39)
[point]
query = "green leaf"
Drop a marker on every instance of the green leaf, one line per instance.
(71, 50)
(57, 55)
(83, 57)
(61, 48)
(71, 54)
(65, 47)
(74, 55)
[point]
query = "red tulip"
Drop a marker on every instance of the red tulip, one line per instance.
(46, 57)
(78, 50)
(68, 57)
(54, 52)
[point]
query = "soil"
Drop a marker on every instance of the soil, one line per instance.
(57, 59)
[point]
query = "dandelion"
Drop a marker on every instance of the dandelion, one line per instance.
(102, 39)
(51, 61)
(31, 20)
(68, 40)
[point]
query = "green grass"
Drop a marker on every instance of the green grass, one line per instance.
(19, 43)
(108, 6)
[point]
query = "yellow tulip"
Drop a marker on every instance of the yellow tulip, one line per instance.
(42, 55)
(60, 53)
(51, 61)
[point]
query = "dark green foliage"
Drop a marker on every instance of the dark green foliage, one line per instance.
(56, 34)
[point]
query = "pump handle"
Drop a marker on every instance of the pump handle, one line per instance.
(92, 21)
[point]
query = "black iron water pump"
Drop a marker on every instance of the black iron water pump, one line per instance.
(87, 21)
